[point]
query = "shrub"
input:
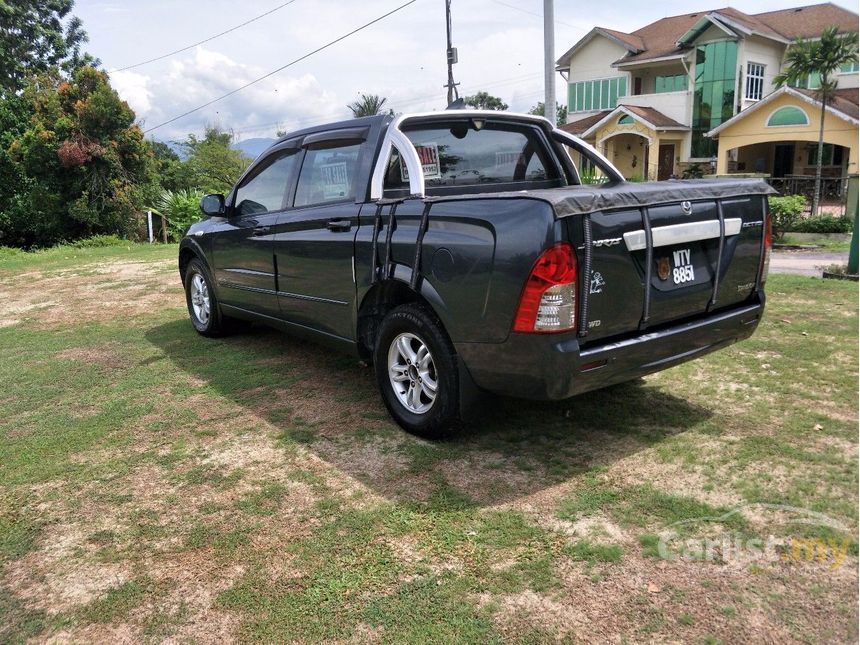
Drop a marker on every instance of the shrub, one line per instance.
(694, 171)
(97, 241)
(181, 208)
(590, 177)
(785, 211)
(822, 224)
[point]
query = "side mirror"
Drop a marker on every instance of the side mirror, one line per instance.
(212, 205)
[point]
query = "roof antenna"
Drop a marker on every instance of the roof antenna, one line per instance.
(451, 54)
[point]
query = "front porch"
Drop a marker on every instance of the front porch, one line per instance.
(643, 144)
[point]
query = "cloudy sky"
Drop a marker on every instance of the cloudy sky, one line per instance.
(500, 46)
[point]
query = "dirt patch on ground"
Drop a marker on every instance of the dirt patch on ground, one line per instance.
(97, 293)
(107, 355)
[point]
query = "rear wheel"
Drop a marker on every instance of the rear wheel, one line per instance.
(203, 307)
(416, 369)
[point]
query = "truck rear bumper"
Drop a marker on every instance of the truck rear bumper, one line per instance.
(552, 367)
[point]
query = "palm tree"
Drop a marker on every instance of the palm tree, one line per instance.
(821, 57)
(369, 105)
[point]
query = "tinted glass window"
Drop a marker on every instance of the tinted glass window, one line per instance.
(460, 155)
(266, 191)
(328, 175)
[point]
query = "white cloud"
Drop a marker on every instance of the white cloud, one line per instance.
(133, 88)
(279, 101)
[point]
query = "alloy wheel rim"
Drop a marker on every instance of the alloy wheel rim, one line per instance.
(200, 298)
(412, 373)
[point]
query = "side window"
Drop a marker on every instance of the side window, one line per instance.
(328, 175)
(266, 191)
(535, 171)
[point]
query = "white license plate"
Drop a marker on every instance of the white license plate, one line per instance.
(682, 271)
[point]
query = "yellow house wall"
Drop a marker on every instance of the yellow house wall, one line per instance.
(752, 130)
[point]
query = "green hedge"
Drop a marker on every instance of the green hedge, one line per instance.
(785, 212)
(822, 224)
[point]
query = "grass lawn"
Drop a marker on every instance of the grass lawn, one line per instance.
(157, 485)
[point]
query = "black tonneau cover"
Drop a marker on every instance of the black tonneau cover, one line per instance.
(579, 200)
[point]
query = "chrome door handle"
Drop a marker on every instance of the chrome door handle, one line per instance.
(262, 230)
(339, 225)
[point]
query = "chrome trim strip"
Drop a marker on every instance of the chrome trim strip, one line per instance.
(299, 296)
(284, 294)
(250, 272)
(682, 233)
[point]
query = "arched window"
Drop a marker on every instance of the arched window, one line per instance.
(788, 115)
(625, 120)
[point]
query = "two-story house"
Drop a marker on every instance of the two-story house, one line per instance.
(698, 88)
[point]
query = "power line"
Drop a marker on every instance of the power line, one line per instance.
(205, 40)
(534, 13)
(283, 67)
(396, 104)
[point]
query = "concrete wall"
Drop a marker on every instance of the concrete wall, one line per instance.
(592, 61)
(765, 52)
(675, 105)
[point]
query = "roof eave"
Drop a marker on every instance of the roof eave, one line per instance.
(785, 89)
(620, 63)
(595, 31)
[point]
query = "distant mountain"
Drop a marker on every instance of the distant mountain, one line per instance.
(253, 147)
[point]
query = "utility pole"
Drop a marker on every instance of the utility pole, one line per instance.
(549, 109)
(451, 54)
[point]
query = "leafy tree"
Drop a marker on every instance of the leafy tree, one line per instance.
(82, 158)
(212, 165)
(485, 101)
(823, 57)
(368, 105)
(169, 171)
(33, 41)
(560, 112)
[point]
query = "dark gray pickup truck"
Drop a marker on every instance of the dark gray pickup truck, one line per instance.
(460, 252)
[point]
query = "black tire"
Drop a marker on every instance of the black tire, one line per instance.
(415, 325)
(214, 324)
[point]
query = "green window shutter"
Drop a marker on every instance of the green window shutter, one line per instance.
(589, 87)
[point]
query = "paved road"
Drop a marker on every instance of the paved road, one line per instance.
(804, 262)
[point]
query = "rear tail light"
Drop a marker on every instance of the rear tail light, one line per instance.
(548, 302)
(765, 257)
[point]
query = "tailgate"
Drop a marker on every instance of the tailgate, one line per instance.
(695, 256)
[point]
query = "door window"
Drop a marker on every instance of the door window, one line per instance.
(266, 190)
(328, 175)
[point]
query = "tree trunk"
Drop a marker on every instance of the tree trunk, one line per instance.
(816, 194)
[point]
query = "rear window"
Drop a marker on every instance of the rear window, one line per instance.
(458, 154)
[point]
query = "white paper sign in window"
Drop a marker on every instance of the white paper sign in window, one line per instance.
(428, 153)
(335, 180)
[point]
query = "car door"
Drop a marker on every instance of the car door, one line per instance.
(315, 244)
(243, 245)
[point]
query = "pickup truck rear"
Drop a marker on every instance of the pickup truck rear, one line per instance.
(460, 252)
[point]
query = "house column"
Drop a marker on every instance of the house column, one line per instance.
(653, 158)
(722, 159)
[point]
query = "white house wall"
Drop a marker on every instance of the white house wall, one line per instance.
(592, 61)
(765, 52)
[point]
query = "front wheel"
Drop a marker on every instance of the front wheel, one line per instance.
(416, 369)
(202, 305)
